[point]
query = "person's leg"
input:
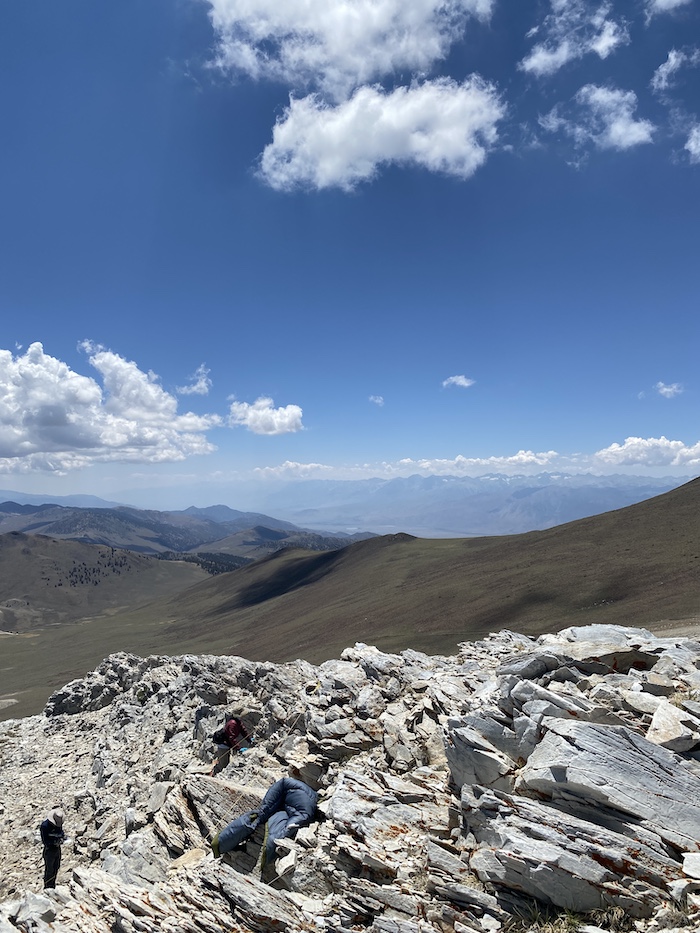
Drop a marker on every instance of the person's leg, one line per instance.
(234, 834)
(276, 829)
(223, 756)
(52, 862)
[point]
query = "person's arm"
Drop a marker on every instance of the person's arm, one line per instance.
(51, 835)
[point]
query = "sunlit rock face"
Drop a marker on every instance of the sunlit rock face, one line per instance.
(454, 792)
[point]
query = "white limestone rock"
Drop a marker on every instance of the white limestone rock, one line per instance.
(674, 728)
(621, 770)
(562, 860)
(582, 810)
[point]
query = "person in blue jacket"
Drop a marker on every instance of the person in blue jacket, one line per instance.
(52, 836)
(287, 806)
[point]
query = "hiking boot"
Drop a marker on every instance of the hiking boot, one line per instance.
(215, 846)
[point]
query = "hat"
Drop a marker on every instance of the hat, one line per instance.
(57, 817)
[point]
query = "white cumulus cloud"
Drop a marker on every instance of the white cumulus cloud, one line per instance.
(440, 125)
(377, 400)
(523, 460)
(635, 454)
(200, 383)
(263, 418)
(669, 391)
(650, 452)
(574, 28)
(470, 466)
(462, 381)
(604, 117)
(337, 46)
(52, 418)
(293, 470)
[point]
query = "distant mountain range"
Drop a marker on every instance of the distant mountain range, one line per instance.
(455, 506)
(215, 530)
(80, 501)
(425, 506)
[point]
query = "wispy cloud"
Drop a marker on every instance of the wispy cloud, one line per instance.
(470, 466)
(462, 381)
(635, 453)
(573, 29)
(200, 384)
(54, 419)
(666, 75)
(523, 460)
(655, 7)
(692, 145)
(439, 125)
(603, 117)
(263, 418)
(669, 391)
(377, 400)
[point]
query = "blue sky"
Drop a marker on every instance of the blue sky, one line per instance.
(245, 240)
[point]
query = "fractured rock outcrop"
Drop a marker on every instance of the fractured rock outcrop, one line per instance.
(452, 790)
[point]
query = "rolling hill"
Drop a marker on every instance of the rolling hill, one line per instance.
(46, 582)
(636, 566)
(633, 566)
(152, 532)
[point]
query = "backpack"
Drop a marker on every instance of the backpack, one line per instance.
(220, 736)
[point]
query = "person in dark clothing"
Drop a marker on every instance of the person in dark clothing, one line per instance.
(234, 736)
(52, 836)
(287, 806)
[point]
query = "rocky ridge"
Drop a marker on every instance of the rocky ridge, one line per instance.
(454, 792)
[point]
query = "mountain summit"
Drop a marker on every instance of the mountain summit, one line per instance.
(517, 778)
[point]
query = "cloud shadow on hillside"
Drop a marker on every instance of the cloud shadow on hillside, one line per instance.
(292, 575)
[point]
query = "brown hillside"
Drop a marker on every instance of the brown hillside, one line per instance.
(44, 581)
(637, 566)
(633, 566)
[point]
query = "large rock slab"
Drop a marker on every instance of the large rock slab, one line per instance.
(593, 764)
(543, 852)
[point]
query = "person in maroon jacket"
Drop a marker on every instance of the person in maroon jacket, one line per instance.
(233, 737)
